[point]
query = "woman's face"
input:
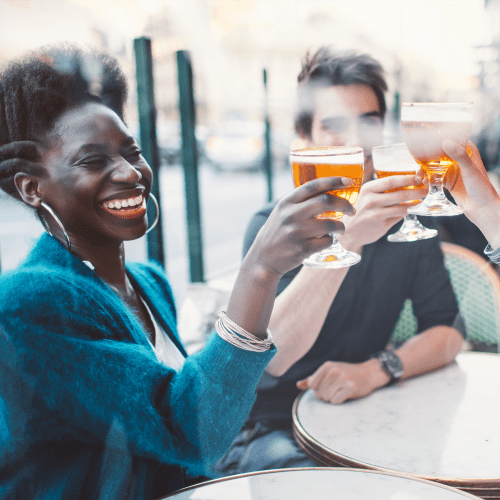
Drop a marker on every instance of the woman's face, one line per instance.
(97, 181)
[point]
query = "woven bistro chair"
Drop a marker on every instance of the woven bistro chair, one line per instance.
(476, 285)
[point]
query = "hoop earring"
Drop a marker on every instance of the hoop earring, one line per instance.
(150, 228)
(58, 221)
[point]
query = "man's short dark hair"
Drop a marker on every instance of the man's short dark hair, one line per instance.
(327, 68)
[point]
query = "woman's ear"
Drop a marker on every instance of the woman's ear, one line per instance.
(29, 189)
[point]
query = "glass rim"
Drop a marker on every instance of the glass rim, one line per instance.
(327, 151)
(390, 146)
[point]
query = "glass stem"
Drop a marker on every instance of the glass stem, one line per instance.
(336, 247)
(410, 224)
(335, 241)
(436, 187)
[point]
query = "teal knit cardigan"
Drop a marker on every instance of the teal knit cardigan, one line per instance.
(86, 410)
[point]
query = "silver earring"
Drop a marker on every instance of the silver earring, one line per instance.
(58, 222)
(151, 227)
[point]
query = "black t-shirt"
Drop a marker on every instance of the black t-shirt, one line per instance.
(364, 312)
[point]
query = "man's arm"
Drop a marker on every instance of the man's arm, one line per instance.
(436, 345)
(431, 349)
(336, 382)
(300, 310)
(299, 314)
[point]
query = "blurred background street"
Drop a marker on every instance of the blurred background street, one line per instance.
(432, 50)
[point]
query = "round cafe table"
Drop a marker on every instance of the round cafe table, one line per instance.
(319, 484)
(443, 426)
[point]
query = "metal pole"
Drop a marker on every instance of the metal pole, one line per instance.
(190, 163)
(147, 124)
(268, 165)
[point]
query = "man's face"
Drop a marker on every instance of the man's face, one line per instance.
(347, 115)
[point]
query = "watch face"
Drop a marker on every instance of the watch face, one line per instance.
(391, 364)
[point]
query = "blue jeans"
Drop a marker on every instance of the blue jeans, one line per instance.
(262, 448)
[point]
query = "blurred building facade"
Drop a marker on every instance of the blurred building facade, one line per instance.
(231, 42)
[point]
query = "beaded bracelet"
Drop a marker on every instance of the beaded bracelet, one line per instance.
(239, 337)
(492, 254)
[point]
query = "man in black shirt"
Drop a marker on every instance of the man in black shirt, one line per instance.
(332, 327)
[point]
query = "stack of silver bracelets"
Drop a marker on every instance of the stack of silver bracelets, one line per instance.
(239, 337)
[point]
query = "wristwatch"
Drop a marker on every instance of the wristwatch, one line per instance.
(391, 364)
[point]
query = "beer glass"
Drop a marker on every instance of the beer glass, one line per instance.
(425, 127)
(397, 160)
(342, 161)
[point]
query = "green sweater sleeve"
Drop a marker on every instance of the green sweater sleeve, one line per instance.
(80, 388)
(213, 394)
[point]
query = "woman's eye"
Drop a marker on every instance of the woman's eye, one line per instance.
(134, 153)
(93, 161)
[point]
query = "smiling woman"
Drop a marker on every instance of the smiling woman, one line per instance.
(97, 396)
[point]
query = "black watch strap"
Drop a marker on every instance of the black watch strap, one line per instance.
(391, 363)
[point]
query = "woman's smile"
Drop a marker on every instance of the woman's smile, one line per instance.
(97, 179)
(126, 208)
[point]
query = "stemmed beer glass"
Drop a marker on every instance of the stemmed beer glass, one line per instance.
(397, 160)
(425, 127)
(342, 161)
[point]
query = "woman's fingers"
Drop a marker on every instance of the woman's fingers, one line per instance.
(468, 176)
(317, 196)
(318, 186)
(458, 153)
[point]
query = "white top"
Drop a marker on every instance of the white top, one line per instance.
(166, 351)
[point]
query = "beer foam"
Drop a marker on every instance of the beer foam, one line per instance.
(351, 156)
(396, 166)
(435, 113)
(393, 161)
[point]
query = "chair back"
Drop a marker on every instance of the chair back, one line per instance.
(476, 285)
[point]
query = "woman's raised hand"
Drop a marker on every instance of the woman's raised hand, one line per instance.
(292, 231)
(472, 190)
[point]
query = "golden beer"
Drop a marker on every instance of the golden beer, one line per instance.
(424, 140)
(397, 160)
(404, 171)
(304, 172)
(337, 161)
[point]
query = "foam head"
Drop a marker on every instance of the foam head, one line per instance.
(437, 112)
(345, 155)
(395, 158)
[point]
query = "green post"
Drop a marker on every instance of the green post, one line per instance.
(268, 165)
(396, 110)
(190, 164)
(147, 124)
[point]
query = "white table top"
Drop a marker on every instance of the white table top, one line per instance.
(444, 424)
(320, 484)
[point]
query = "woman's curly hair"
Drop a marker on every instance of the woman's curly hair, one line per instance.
(38, 88)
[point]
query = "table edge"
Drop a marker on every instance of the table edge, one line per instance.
(329, 458)
(333, 469)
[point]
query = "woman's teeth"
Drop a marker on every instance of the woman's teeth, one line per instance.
(129, 202)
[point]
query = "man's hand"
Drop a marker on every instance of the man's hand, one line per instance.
(335, 382)
(378, 208)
